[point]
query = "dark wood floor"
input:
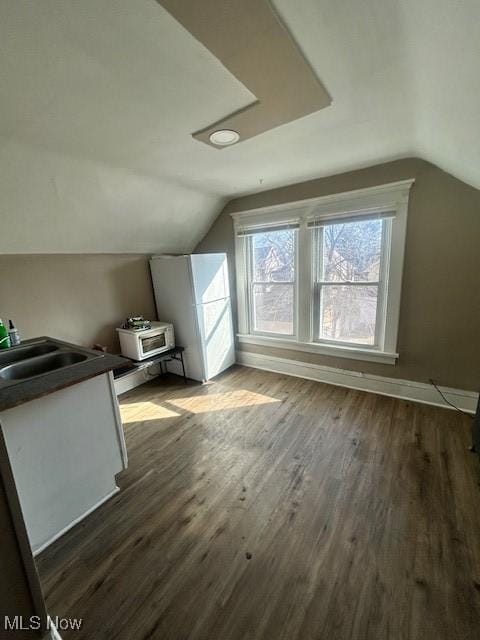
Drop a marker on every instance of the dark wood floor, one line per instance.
(267, 507)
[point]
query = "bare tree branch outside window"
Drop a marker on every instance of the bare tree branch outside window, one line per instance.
(273, 258)
(349, 278)
(348, 274)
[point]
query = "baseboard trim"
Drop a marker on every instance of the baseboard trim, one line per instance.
(58, 535)
(135, 379)
(404, 389)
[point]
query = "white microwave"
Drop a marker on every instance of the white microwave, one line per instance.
(145, 343)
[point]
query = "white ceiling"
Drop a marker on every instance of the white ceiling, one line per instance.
(100, 97)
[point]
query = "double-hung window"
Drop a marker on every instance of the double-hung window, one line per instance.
(350, 273)
(271, 267)
(324, 275)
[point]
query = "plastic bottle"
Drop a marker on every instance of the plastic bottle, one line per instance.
(13, 333)
(4, 337)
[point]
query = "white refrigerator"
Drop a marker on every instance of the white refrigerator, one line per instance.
(192, 292)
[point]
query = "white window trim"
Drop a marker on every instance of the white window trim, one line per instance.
(392, 197)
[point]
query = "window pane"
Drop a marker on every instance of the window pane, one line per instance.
(273, 308)
(351, 251)
(274, 256)
(347, 313)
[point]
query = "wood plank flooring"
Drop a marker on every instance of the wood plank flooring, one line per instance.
(265, 507)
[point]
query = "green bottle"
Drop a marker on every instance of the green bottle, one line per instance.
(4, 337)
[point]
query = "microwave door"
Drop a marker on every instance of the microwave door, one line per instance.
(151, 344)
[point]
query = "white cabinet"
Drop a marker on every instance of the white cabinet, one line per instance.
(65, 449)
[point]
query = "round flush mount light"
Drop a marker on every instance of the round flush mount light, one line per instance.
(224, 137)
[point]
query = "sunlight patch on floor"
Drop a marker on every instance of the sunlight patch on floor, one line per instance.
(139, 411)
(220, 401)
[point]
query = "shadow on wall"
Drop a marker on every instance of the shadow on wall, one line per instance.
(129, 285)
(78, 298)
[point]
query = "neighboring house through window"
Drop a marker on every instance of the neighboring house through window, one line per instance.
(271, 278)
(324, 275)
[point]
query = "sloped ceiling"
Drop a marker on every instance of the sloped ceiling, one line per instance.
(98, 100)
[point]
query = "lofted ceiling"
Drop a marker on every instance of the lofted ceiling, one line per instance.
(98, 100)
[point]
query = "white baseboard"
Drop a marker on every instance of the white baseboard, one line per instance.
(74, 522)
(135, 378)
(404, 389)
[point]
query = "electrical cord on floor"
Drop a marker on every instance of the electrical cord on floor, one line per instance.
(448, 401)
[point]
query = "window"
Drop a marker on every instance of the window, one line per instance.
(271, 281)
(324, 274)
(349, 281)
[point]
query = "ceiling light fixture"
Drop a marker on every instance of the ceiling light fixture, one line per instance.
(224, 137)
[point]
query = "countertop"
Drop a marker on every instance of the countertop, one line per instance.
(12, 395)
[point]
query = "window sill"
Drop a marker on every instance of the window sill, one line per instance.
(336, 351)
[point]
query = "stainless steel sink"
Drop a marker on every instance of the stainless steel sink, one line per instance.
(40, 358)
(23, 352)
(41, 364)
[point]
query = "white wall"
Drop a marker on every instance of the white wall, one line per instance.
(54, 203)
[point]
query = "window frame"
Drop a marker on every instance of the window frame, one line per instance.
(392, 197)
(381, 284)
